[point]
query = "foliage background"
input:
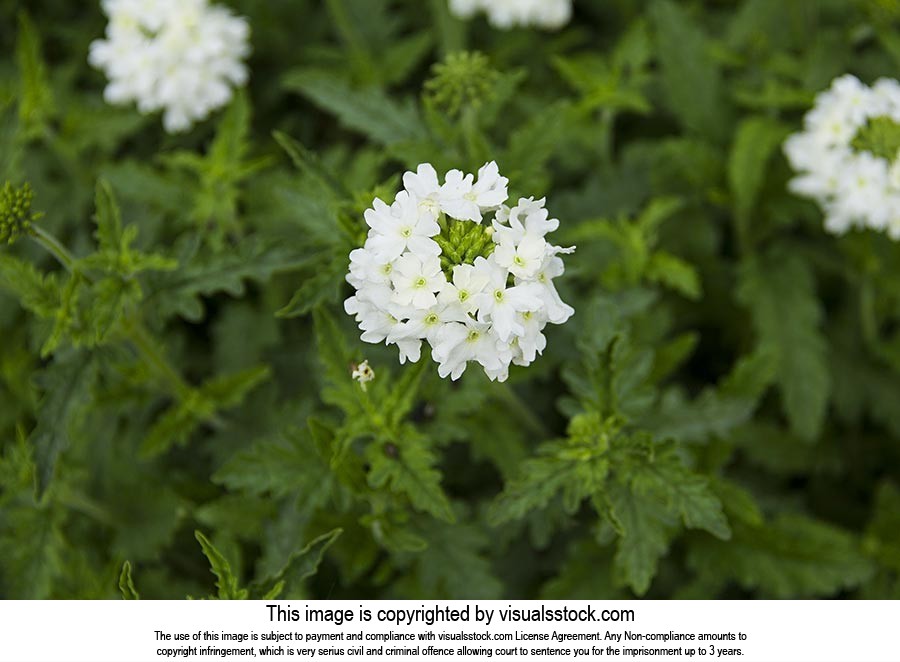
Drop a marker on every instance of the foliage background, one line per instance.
(721, 418)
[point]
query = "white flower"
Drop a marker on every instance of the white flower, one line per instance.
(467, 283)
(400, 227)
(854, 187)
(522, 260)
(416, 281)
(431, 271)
(183, 57)
(506, 14)
(500, 304)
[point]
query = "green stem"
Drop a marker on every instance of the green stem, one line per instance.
(522, 411)
(153, 356)
(360, 56)
(53, 246)
(134, 330)
(450, 31)
(81, 503)
(607, 143)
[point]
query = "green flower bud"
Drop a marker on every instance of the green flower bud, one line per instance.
(16, 216)
(463, 81)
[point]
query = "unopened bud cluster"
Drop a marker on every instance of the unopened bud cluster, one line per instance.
(15, 212)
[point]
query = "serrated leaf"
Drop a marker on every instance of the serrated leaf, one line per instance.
(226, 582)
(40, 293)
(304, 563)
(202, 275)
(368, 110)
(288, 463)
(779, 291)
(107, 218)
(790, 557)
(36, 104)
(755, 142)
(33, 548)
(67, 384)
(692, 79)
(196, 406)
(126, 583)
(674, 273)
(456, 566)
(644, 538)
(409, 468)
(320, 287)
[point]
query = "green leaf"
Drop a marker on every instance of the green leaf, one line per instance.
(309, 163)
(203, 275)
(107, 218)
(645, 532)
(126, 583)
(197, 406)
(369, 110)
(322, 285)
(33, 549)
(67, 384)
(409, 468)
(674, 273)
(791, 557)
(691, 78)
(757, 138)
(226, 582)
(456, 566)
(288, 463)
(36, 105)
(304, 563)
(661, 475)
(40, 293)
(779, 291)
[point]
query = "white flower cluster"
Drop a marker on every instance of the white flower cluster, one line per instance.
(506, 14)
(856, 185)
(180, 56)
(431, 270)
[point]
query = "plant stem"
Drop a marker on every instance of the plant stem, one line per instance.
(53, 246)
(133, 328)
(153, 356)
(522, 411)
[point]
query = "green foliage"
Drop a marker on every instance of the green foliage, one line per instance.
(126, 583)
(718, 420)
(779, 291)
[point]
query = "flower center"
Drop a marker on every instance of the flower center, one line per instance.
(406, 233)
(461, 242)
(880, 137)
(463, 296)
(431, 319)
(498, 295)
(419, 282)
(473, 336)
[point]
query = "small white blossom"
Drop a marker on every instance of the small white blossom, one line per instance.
(363, 373)
(486, 299)
(506, 14)
(854, 187)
